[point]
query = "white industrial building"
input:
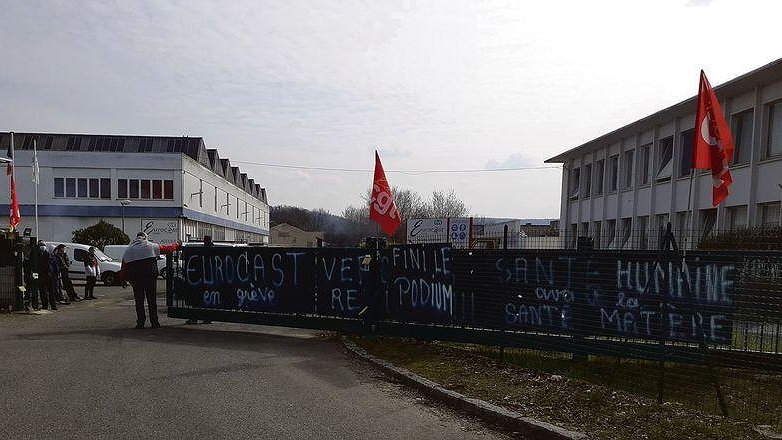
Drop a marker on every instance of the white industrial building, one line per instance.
(174, 188)
(623, 186)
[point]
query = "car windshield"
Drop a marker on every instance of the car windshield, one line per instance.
(101, 256)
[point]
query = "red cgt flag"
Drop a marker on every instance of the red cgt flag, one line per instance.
(381, 208)
(15, 217)
(713, 142)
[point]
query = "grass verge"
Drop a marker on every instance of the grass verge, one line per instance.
(604, 398)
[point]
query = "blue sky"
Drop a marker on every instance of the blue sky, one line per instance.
(431, 84)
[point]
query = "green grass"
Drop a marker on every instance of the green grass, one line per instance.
(604, 397)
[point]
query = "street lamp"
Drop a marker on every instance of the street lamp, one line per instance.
(124, 203)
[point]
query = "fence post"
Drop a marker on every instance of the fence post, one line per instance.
(170, 279)
(502, 331)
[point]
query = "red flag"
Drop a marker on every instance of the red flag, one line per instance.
(381, 208)
(15, 217)
(713, 142)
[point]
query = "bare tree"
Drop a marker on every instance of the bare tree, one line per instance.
(446, 204)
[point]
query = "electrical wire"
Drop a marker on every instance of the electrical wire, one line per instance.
(409, 172)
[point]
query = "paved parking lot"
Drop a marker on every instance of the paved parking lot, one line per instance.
(84, 372)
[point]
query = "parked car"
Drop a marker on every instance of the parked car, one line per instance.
(115, 251)
(109, 269)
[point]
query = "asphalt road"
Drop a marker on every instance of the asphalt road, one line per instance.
(84, 372)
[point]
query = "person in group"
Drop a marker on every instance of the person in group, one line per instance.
(92, 272)
(45, 287)
(54, 275)
(139, 268)
(65, 263)
(207, 243)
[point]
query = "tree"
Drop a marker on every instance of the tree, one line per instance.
(100, 234)
(446, 204)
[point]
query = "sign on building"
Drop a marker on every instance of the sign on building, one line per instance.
(455, 230)
(163, 231)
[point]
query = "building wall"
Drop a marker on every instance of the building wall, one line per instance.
(755, 182)
(287, 235)
(59, 216)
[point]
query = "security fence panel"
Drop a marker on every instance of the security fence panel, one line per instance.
(249, 278)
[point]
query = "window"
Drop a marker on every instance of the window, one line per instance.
(768, 214)
(145, 189)
(613, 179)
(708, 218)
(628, 169)
(736, 217)
(157, 189)
(661, 222)
(94, 188)
(665, 157)
(596, 232)
(573, 235)
(48, 144)
(105, 188)
(122, 188)
(82, 187)
(584, 229)
(599, 170)
(133, 189)
(587, 180)
(70, 187)
(73, 144)
(610, 233)
(79, 254)
(627, 233)
(643, 233)
(742, 136)
(145, 145)
(774, 138)
(682, 225)
(216, 199)
(687, 142)
(59, 187)
(168, 191)
(575, 181)
(646, 154)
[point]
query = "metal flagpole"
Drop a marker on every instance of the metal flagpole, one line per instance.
(35, 181)
(688, 235)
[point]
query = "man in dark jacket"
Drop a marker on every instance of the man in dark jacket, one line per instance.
(139, 268)
(65, 264)
(45, 282)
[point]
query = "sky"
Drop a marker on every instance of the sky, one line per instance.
(432, 85)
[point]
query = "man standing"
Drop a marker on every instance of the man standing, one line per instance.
(45, 282)
(91, 272)
(64, 263)
(139, 267)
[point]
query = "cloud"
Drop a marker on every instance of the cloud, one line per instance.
(515, 160)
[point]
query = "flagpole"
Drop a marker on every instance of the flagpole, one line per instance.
(36, 178)
(690, 212)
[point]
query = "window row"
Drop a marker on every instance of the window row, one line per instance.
(145, 189)
(639, 166)
(82, 187)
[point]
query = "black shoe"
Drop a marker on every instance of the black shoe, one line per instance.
(54, 307)
(139, 326)
(155, 325)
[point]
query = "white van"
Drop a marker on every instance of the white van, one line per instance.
(109, 269)
(116, 251)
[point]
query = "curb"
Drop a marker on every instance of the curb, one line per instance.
(529, 427)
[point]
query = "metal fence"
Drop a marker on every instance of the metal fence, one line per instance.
(707, 325)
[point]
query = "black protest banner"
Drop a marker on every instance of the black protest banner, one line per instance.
(250, 278)
(343, 279)
(418, 281)
(609, 293)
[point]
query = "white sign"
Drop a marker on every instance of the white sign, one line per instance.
(427, 230)
(161, 231)
(459, 232)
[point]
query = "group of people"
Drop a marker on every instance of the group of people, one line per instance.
(54, 282)
(139, 269)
